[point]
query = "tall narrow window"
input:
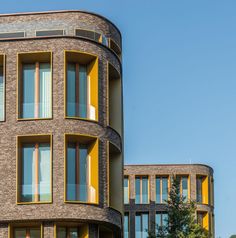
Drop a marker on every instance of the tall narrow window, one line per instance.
(34, 165)
(161, 189)
(184, 187)
(202, 185)
(35, 86)
(82, 169)
(141, 225)
(2, 89)
(126, 225)
(199, 189)
(161, 220)
(203, 219)
(31, 232)
(141, 190)
(81, 86)
(126, 190)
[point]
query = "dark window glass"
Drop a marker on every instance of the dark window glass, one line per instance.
(88, 34)
(50, 33)
(12, 35)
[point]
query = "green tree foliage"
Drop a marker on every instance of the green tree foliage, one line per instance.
(233, 236)
(181, 217)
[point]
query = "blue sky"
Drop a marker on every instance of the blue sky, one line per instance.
(179, 84)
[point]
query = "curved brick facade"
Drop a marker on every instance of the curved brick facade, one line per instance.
(58, 210)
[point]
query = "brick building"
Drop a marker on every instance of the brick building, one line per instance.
(146, 189)
(61, 126)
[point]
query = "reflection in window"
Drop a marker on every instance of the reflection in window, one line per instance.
(126, 225)
(35, 95)
(27, 232)
(141, 190)
(67, 232)
(161, 220)
(126, 190)
(161, 189)
(2, 94)
(141, 225)
(184, 187)
(35, 172)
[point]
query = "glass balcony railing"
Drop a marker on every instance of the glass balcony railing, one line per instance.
(82, 193)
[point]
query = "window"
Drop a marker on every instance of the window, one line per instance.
(81, 169)
(34, 169)
(81, 86)
(29, 232)
(126, 225)
(141, 225)
(202, 189)
(6, 35)
(35, 85)
(114, 46)
(2, 88)
(126, 190)
(71, 230)
(203, 219)
(50, 33)
(89, 34)
(141, 190)
(161, 220)
(184, 187)
(161, 189)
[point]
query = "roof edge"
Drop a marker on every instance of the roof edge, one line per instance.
(61, 11)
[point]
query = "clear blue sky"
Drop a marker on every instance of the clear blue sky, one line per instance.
(179, 84)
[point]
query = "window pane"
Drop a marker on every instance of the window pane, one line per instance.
(137, 190)
(144, 190)
(138, 230)
(185, 188)
(164, 189)
(71, 176)
(44, 172)
(2, 101)
(28, 173)
(145, 225)
(158, 219)
(158, 190)
(35, 233)
(199, 189)
(28, 91)
(61, 232)
(126, 190)
(82, 91)
(20, 233)
(71, 95)
(165, 219)
(45, 91)
(126, 226)
(73, 233)
(83, 153)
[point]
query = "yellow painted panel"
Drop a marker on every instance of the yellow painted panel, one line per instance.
(83, 231)
(93, 153)
(205, 190)
(93, 76)
(206, 221)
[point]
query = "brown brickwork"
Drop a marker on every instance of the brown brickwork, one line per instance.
(131, 171)
(57, 126)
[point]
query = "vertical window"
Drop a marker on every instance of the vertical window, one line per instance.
(141, 225)
(161, 189)
(81, 86)
(23, 232)
(2, 89)
(202, 189)
(34, 169)
(35, 86)
(161, 220)
(81, 169)
(126, 225)
(141, 190)
(184, 187)
(203, 219)
(126, 190)
(71, 230)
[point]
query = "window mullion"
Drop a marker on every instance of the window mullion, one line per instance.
(77, 85)
(28, 233)
(161, 189)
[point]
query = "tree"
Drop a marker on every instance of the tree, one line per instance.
(233, 236)
(181, 217)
